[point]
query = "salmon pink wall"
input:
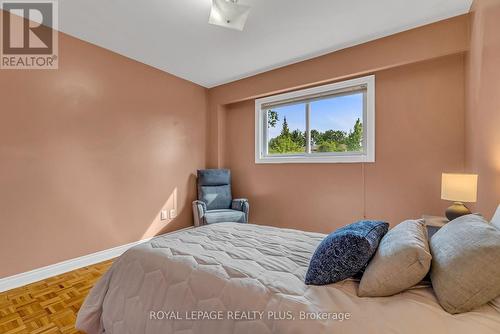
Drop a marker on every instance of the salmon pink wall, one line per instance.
(420, 102)
(432, 41)
(483, 103)
(90, 153)
(420, 133)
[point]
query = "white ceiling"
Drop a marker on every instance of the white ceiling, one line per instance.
(174, 36)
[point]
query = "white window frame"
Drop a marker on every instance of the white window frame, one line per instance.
(368, 154)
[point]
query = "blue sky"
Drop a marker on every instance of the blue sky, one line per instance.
(339, 113)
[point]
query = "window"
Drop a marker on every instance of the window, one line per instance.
(327, 124)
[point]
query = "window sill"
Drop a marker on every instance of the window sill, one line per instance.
(315, 159)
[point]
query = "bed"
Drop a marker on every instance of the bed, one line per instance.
(245, 278)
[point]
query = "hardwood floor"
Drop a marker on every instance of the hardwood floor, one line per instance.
(48, 306)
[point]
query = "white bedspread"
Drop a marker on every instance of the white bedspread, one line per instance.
(244, 278)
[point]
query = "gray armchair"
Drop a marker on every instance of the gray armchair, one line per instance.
(215, 203)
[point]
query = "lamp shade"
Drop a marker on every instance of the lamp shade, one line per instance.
(459, 187)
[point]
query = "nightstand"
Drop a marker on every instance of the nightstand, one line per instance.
(433, 224)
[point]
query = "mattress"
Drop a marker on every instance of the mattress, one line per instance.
(245, 278)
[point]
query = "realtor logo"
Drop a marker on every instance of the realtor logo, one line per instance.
(29, 35)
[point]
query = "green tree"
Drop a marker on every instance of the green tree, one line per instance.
(298, 137)
(284, 144)
(327, 146)
(285, 131)
(355, 137)
(288, 142)
(272, 118)
(329, 141)
(334, 136)
(316, 137)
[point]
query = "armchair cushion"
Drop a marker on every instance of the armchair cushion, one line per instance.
(216, 197)
(214, 177)
(214, 188)
(227, 215)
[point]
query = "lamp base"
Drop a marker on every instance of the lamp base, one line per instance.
(456, 210)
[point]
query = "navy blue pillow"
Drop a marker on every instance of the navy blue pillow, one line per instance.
(345, 252)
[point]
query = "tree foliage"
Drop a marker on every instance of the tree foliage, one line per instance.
(354, 140)
(329, 141)
(284, 144)
(272, 118)
(298, 137)
(285, 131)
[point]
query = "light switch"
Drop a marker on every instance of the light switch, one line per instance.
(173, 213)
(163, 215)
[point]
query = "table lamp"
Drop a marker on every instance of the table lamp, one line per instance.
(458, 188)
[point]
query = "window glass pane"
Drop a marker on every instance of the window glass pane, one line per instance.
(286, 129)
(337, 124)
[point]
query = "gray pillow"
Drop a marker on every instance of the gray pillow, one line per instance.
(465, 271)
(401, 261)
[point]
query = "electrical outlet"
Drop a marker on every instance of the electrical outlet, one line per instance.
(173, 213)
(163, 215)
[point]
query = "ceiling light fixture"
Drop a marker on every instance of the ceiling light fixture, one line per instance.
(229, 14)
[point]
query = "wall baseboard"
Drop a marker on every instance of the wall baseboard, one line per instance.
(15, 281)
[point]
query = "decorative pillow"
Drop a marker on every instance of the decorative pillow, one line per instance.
(345, 252)
(402, 260)
(465, 270)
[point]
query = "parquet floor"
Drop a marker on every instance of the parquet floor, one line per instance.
(48, 306)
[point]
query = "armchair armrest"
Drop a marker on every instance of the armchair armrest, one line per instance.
(241, 204)
(199, 210)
